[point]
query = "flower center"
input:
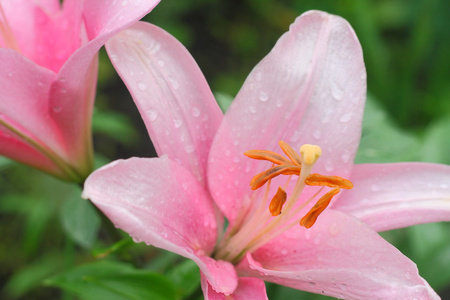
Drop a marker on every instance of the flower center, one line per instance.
(282, 212)
(7, 38)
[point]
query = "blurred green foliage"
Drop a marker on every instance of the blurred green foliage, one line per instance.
(56, 246)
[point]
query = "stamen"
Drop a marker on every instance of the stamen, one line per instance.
(310, 153)
(293, 156)
(267, 155)
(310, 218)
(277, 202)
(260, 179)
(329, 181)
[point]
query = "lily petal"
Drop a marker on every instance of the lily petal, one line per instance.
(159, 202)
(248, 288)
(309, 89)
(340, 257)
(390, 196)
(72, 95)
(171, 93)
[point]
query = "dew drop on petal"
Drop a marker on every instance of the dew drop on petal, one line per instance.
(345, 118)
(177, 123)
(161, 63)
(317, 134)
(329, 166)
(189, 148)
(263, 96)
(252, 109)
(152, 114)
(142, 86)
(375, 188)
(195, 112)
(345, 157)
(336, 91)
(57, 109)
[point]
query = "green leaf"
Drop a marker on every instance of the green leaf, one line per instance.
(80, 220)
(114, 281)
(115, 125)
(224, 100)
(436, 146)
(186, 277)
(382, 141)
(30, 276)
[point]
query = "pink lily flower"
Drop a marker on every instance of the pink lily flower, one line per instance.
(48, 63)
(309, 90)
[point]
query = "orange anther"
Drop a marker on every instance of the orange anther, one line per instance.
(277, 202)
(267, 155)
(329, 181)
(260, 179)
(293, 156)
(310, 218)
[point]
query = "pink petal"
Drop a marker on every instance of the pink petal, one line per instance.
(24, 106)
(309, 89)
(389, 196)
(72, 95)
(171, 93)
(340, 257)
(159, 202)
(248, 288)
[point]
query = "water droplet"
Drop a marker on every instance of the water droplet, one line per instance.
(279, 103)
(189, 148)
(263, 96)
(236, 142)
(161, 63)
(375, 188)
(152, 115)
(142, 86)
(57, 109)
(295, 136)
(195, 112)
(343, 286)
(40, 83)
(113, 57)
(317, 134)
(227, 152)
(124, 2)
(312, 283)
(444, 186)
(333, 229)
(10, 74)
(153, 48)
(329, 166)
(336, 91)
(164, 234)
(177, 123)
(174, 84)
(62, 79)
(63, 91)
(236, 159)
(258, 76)
(252, 109)
(345, 157)
(284, 252)
(345, 118)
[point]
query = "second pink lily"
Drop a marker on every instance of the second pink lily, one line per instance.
(309, 90)
(48, 76)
